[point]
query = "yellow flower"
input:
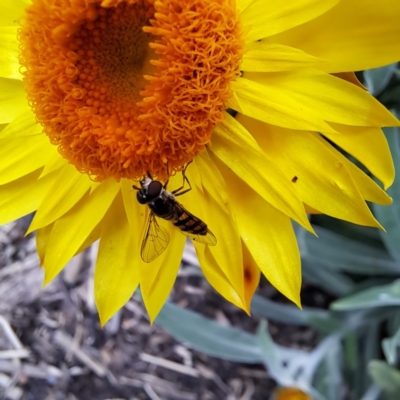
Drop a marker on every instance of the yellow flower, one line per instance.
(95, 93)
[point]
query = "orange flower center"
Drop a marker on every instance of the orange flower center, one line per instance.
(123, 87)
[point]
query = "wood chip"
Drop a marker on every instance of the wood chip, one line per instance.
(113, 325)
(173, 366)
(73, 268)
(10, 334)
(185, 353)
(250, 389)
(17, 353)
(31, 261)
(150, 392)
(163, 387)
(32, 371)
(66, 342)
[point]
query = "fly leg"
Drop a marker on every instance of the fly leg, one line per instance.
(166, 183)
(179, 192)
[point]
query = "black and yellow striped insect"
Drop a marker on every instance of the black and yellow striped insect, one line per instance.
(163, 204)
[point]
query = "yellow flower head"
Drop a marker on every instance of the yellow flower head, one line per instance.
(97, 96)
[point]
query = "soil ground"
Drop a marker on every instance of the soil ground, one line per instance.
(52, 346)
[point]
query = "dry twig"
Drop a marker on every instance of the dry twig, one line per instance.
(66, 342)
(161, 362)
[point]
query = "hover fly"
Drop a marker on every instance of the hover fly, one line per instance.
(163, 204)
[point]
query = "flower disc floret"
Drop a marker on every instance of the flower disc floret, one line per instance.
(123, 87)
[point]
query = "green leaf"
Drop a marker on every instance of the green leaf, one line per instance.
(208, 336)
(292, 315)
(371, 349)
(265, 341)
(351, 356)
(372, 282)
(378, 78)
(394, 323)
(335, 380)
(389, 216)
(331, 281)
(372, 393)
(379, 296)
(390, 97)
(368, 316)
(390, 346)
(336, 252)
(285, 313)
(270, 356)
(363, 234)
(385, 376)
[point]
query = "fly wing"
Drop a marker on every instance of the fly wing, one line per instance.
(193, 227)
(155, 241)
(208, 239)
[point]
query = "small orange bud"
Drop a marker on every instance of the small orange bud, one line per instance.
(285, 393)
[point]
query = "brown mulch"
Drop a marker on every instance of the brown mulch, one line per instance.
(52, 346)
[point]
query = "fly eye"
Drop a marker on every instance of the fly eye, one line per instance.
(154, 190)
(141, 197)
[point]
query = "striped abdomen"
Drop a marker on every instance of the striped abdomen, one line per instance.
(187, 222)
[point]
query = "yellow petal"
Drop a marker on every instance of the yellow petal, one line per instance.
(353, 36)
(265, 20)
(135, 212)
(9, 52)
(23, 125)
(276, 105)
(11, 11)
(116, 276)
(369, 146)
(211, 205)
(54, 164)
(138, 219)
(228, 251)
(241, 5)
(233, 144)
(22, 155)
(217, 278)
(251, 275)
(75, 226)
(22, 196)
(369, 190)
(268, 235)
(12, 99)
(156, 278)
(315, 171)
(92, 237)
(272, 57)
(42, 238)
(350, 77)
(210, 177)
(310, 210)
(318, 95)
(67, 190)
